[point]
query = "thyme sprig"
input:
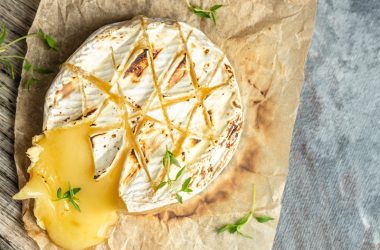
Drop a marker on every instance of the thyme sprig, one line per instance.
(70, 196)
(236, 227)
(6, 60)
(211, 13)
(185, 188)
(167, 161)
(170, 181)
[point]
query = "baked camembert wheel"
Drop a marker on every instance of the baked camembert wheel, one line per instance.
(144, 114)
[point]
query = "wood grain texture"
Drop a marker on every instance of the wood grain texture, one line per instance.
(18, 15)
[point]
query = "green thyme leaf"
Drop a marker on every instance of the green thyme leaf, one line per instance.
(169, 159)
(233, 229)
(43, 70)
(71, 191)
(76, 190)
(75, 205)
(30, 82)
(59, 193)
(3, 33)
(179, 173)
(185, 186)
(226, 227)
(179, 198)
(213, 10)
(49, 40)
(66, 195)
(244, 220)
(12, 70)
(200, 12)
(8, 64)
(213, 16)
(166, 159)
(174, 161)
(263, 219)
(27, 66)
(161, 185)
(211, 13)
(215, 7)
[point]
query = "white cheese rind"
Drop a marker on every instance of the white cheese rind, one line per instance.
(205, 151)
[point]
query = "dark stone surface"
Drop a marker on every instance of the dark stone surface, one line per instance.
(332, 197)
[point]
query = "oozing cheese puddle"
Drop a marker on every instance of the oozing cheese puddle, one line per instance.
(62, 156)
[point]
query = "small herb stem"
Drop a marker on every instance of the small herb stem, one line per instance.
(188, 4)
(191, 7)
(18, 39)
(18, 57)
(253, 198)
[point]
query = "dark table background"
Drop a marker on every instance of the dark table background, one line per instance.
(332, 197)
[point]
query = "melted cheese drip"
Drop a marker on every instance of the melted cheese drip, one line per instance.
(60, 163)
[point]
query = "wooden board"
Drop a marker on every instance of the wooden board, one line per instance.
(17, 15)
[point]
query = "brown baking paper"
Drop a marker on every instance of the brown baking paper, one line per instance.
(266, 42)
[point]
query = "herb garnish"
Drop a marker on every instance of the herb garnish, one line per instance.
(7, 60)
(48, 39)
(170, 181)
(70, 195)
(167, 161)
(211, 13)
(185, 188)
(31, 70)
(235, 228)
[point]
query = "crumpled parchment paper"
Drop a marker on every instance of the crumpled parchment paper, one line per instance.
(267, 43)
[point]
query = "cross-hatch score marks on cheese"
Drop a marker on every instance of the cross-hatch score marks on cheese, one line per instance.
(157, 95)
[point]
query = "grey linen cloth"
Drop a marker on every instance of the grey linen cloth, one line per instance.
(332, 196)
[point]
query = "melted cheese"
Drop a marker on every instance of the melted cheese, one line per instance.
(64, 156)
